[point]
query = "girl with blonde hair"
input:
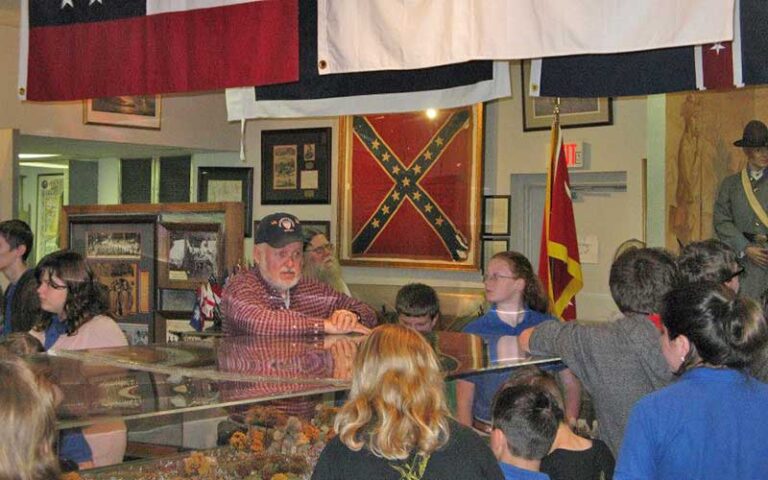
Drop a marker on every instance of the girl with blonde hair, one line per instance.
(27, 423)
(395, 424)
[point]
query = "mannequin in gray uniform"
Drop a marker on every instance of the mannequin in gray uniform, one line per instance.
(739, 216)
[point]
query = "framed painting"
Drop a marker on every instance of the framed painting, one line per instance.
(50, 198)
(411, 189)
(496, 215)
(538, 112)
(227, 184)
(296, 166)
(138, 111)
(188, 254)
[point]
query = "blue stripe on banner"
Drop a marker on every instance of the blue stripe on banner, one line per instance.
(636, 73)
(312, 85)
(66, 12)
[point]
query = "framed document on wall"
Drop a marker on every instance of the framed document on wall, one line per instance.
(296, 166)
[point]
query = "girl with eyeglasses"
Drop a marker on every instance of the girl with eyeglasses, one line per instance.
(713, 422)
(518, 302)
(78, 319)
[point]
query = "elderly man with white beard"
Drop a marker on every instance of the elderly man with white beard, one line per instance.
(274, 299)
(319, 262)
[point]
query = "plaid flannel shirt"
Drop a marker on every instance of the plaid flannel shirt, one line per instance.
(281, 357)
(251, 306)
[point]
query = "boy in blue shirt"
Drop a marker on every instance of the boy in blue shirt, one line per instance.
(525, 420)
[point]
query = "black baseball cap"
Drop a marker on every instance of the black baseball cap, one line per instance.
(278, 230)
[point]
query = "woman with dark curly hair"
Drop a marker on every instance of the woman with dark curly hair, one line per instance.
(79, 320)
(518, 302)
(395, 424)
(713, 422)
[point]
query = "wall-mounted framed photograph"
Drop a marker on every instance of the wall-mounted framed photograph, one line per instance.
(227, 184)
(538, 112)
(492, 246)
(188, 254)
(496, 215)
(296, 166)
(137, 111)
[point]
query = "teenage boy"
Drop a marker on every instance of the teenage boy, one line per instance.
(418, 307)
(19, 305)
(619, 362)
(525, 421)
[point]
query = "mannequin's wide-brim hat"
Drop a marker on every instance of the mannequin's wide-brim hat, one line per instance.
(755, 135)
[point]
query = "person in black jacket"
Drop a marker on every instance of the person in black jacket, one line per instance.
(19, 304)
(395, 424)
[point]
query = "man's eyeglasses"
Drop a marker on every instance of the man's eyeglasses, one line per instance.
(321, 249)
(495, 277)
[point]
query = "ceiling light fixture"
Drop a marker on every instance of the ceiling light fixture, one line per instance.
(59, 166)
(30, 156)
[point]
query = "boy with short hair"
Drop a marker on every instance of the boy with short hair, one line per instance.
(418, 307)
(525, 421)
(621, 361)
(19, 304)
(709, 260)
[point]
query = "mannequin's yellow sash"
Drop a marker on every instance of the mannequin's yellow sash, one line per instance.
(752, 199)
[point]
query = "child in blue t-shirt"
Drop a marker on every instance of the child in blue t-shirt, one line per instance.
(525, 421)
(518, 302)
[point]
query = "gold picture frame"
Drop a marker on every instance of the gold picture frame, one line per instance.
(411, 192)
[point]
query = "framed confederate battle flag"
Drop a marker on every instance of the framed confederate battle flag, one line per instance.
(411, 189)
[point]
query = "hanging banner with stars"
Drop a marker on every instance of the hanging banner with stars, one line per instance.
(411, 188)
(78, 49)
(711, 66)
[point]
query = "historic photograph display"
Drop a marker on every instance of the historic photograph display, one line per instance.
(50, 198)
(135, 333)
(227, 184)
(188, 254)
(112, 244)
(138, 111)
(296, 166)
(121, 282)
(412, 191)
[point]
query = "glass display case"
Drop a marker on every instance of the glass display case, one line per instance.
(181, 401)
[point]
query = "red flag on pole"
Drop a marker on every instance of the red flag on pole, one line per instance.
(559, 265)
